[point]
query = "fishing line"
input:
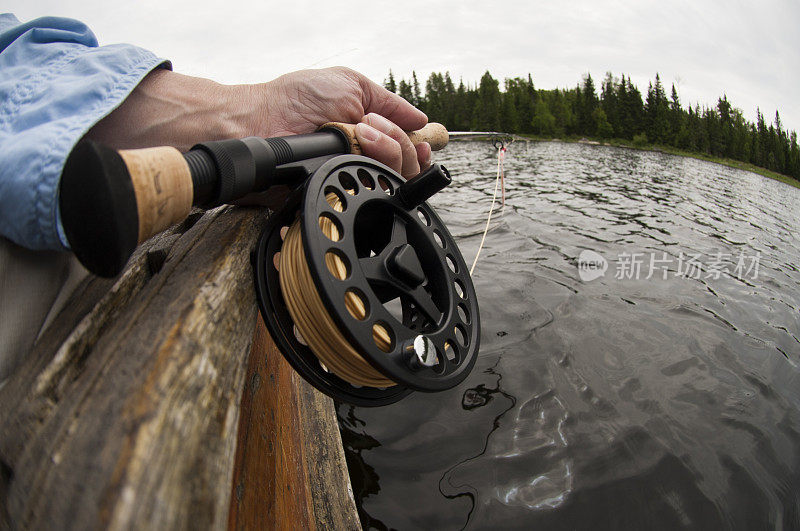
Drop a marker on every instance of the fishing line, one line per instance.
(314, 324)
(501, 152)
(334, 56)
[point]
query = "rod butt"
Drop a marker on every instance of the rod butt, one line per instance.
(98, 208)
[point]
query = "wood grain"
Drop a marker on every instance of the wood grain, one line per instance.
(290, 470)
(269, 486)
(125, 415)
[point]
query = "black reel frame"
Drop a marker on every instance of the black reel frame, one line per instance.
(401, 262)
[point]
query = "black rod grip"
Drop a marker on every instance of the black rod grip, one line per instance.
(111, 201)
(98, 208)
(204, 175)
(227, 170)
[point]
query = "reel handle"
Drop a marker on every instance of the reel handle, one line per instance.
(110, 201)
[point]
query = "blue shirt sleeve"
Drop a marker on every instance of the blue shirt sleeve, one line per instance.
(55, 84)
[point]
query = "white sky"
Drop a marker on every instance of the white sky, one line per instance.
(749, 50)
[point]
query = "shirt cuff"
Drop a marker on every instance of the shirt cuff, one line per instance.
(116, 96)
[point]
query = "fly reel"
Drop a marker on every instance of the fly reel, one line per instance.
(362, 286)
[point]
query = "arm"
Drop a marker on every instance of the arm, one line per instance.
(172, 109)
(55, 84)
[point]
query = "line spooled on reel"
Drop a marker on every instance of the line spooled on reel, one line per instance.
(360, 283)
(357, 238)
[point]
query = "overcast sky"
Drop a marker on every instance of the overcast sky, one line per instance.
(749, 50)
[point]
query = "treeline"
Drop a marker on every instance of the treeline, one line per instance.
(619, 112)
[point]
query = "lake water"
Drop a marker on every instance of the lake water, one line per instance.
(624, 401)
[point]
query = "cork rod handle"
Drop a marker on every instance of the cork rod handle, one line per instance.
(113, 200)
(163, 186)
(433, 133)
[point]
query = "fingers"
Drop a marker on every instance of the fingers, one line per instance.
(378, 100)
(423, 155)
(379, 146)
(410, 164)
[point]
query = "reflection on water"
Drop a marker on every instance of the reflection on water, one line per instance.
(613, 403)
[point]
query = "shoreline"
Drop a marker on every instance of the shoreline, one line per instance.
(731, 163)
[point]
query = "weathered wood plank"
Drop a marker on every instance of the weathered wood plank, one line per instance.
(290, 466)
(269, 485)
(126, 413)
(132, 423)
(327, 477)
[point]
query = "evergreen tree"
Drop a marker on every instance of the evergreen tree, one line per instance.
(561, 108)
(656, 113)
(678, 134)
(390, 85)
(602, 126)
(526, 116)
(417, 95)
(763, 140)
(461, 108)
(404, 90)
(434, 98)
(780, 144)
(509, 118)
(631, 109)
(449, 101)
(721, 138)
(619, 112)
(609, 102)
(587, 101)
(517, 105)
(714, 130)
(703, 140)
(486, 112)
(793, 164)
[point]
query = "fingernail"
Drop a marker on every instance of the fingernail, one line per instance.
(367, 132)
(424, 163)
(379, 121)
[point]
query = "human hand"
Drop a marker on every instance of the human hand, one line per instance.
(302, 101)
(172, 109)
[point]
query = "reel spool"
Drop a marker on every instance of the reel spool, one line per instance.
(364, 289)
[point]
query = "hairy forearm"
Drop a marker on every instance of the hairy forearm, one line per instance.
(172, 109)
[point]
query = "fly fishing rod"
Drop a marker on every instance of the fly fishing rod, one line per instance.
(113, 200)
(360, 283)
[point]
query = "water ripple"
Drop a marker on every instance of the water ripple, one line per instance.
(656, 403)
